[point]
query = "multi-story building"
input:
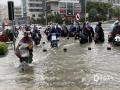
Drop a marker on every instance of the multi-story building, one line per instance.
(3, 12)
(113, 2)
(64, 7)
(17, 12)
(105, 1)
(33, 8)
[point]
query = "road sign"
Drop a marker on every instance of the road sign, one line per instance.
(77, 16)
(21, 20)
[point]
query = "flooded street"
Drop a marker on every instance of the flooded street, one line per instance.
(76, 69)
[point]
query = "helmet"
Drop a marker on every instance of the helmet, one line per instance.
(116, 22)
(99, 23)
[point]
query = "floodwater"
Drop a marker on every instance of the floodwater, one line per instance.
(76, 69)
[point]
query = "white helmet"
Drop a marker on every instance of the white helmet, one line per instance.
(117, 22)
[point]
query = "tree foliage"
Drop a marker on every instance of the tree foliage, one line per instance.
(98, 10)
(56, 18)
(116, 12)
(92, 13)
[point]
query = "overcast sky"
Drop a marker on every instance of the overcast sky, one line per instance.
(16, 2)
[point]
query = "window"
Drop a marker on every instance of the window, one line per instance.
(118, 1)
(70, 9)
(33, 15)
(62, 5)
(70, 5)
(35, 10)
(113, 1)
(35, 5)
(39, 15)
(70, 12)
(76, 8)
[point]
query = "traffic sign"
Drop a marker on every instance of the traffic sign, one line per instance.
(21, 20)
(77, 16)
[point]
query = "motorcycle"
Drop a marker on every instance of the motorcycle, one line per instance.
(98, 39)
(83, 38)
(36, 38)
(54, 41)
(24, 54)
(77, 36)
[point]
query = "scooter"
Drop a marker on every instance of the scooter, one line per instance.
(37, 38)
(83, 38)
(54, 41)
(24, 53)
(77, 36)
(98, 39)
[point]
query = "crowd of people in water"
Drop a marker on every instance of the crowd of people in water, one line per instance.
(85, 34)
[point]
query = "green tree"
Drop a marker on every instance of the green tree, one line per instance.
(92, 14)
(50, 18)
(100, 7)
(116, 12)
(58, 18)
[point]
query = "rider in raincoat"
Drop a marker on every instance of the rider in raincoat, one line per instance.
(25, 40)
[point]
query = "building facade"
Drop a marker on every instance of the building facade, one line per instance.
(113, 2)
(33, 8)
(17, 12)
(64, 7)
(3, 13)
(105, 1)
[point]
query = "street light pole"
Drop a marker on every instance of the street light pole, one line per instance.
(46, 12)
(109, 13)
(25, 16)
(85, 10)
